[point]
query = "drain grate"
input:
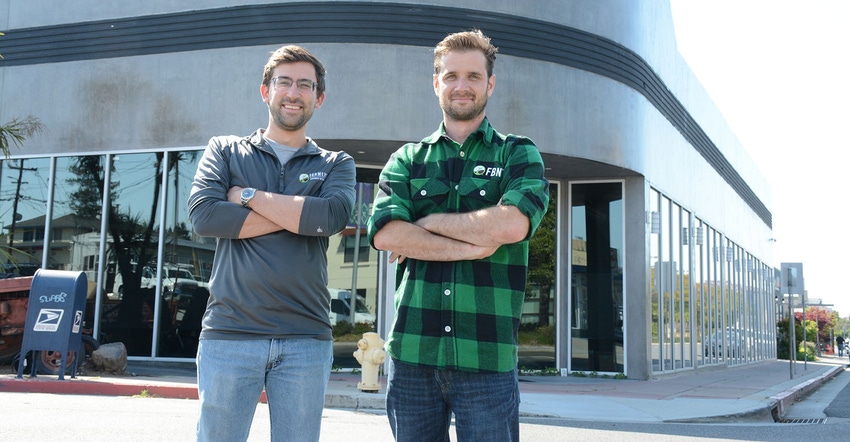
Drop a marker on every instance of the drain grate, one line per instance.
(803, 421)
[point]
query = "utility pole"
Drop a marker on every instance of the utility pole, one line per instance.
(15, 215)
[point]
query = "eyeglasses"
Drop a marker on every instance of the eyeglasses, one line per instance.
(285, 83)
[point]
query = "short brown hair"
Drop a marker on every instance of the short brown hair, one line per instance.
(473, 40)
(293, 54)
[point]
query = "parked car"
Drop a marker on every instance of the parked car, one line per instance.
(341, 307)
(12, 270)
(729, 343)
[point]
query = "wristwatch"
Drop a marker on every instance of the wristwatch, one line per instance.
(247, 194)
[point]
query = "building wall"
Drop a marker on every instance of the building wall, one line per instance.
(597, 84)
(170, 99)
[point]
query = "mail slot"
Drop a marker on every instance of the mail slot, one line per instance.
(55, 311)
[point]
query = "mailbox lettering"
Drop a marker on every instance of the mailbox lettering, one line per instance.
(60, 297)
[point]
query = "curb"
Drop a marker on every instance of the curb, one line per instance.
(781, 401)
(355, 401)
(762, 414)
(96, 388)
(776, 406)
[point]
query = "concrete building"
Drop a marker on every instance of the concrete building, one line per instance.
(660, 221)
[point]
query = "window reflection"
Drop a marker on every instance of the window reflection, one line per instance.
(127, 310)
(537, 326)
(353, 281)
(700, 295)
(185, 264)
(684, 284)
(151, 290)
(677, 306)
(76, 223)
(724, 291)
(23, 196)
(666, 283)
(597, 268)
(655, 278)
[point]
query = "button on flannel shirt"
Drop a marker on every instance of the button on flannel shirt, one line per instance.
(461, 315)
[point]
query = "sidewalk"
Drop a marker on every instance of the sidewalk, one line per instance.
(756, 392)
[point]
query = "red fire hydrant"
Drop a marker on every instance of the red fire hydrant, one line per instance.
(371, 355)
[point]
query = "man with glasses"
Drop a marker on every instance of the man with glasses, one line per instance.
(271, 199)
(456, 211)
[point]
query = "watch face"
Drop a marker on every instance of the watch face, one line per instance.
(247, 194)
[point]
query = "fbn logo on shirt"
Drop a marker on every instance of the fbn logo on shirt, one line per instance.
(487, 171)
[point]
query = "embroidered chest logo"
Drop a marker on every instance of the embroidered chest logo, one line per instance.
(487, 171)
(304, 177)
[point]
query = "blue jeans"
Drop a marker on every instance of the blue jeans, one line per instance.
(420, 403)
(232, 375)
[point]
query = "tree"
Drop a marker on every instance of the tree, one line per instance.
(783, 336)
(825, 320)
(18, 130)
(841, 327)
(541, 259)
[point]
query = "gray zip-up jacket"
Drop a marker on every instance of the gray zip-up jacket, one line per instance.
(275, 285)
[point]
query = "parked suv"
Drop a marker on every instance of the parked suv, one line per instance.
(175, 280)
(341, 307)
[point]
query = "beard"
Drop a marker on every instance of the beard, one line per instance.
(463, 114)
(290, 122)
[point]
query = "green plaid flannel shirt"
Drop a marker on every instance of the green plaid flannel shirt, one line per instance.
(461, 315)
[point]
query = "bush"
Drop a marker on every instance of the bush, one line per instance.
(783, 345)
(532, 334)
(363, 327)
(342, 328)
(346, 329)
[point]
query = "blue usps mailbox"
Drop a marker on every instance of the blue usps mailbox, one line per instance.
(55, 310)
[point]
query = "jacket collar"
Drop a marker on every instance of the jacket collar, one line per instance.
(258, 142)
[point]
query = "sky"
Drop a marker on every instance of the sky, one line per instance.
(779, 71)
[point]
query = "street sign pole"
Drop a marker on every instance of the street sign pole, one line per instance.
(794, 278)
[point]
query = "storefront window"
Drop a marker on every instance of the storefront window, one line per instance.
(538, 325)
(676, 316)
(654, 279)
(666, 273)
(23, 196)
(684, 285)
(76, 224)
(353, 281)
(699, 294)
(185, 265)
(597, 269)
(132, 233)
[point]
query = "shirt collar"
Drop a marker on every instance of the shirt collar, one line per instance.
(485, 131)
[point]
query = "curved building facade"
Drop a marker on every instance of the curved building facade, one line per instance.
(655, 258)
